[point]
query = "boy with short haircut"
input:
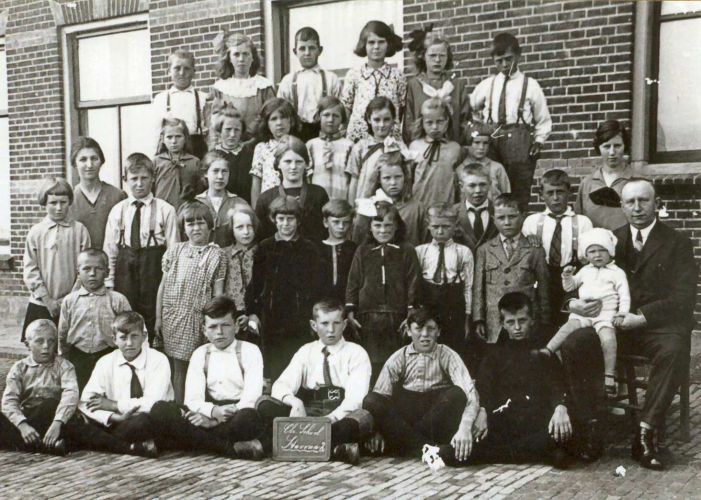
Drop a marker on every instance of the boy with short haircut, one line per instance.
(337, 250)
(50, 252)
(125, 385)
(182, 101)
(328, 377)
(507, 263)
(40, 397)
(139, 229)
(475, 221)
(224, 381)
(304, 87)
(424, 395)
(515, 105)
(560, 225)
(85, 327)
(447, 269)
(478, 141)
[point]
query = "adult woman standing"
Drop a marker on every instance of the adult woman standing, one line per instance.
(599, 192)
(239, 84)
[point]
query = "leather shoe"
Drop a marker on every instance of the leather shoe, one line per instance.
(643, 449)
(249, 450)
(146, 449)
(592, 447)
(347, 452)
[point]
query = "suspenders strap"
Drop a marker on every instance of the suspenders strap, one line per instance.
(295, 95)
(152, 224)
(522, 104)
(575, 233)
(197, 109)
(208, 353)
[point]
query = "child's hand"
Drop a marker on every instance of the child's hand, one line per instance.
(568, 271)
(199, 420)
(354, 322)
(157, 329)
(223, 412)
(467, 326)
(376, 444)
(534, 240)
(481, 330)
(121, 417)
(54, 306)
(53, 434)
(618, 320)
(29, 434)
(97, 402)
(298, 409)
(253, 324)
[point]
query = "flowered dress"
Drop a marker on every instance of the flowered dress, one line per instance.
(190, 273)
(365, 83)
(240, 261)
(263, 165)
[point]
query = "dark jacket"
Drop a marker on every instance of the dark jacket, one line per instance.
(662, 279)
(312, 198)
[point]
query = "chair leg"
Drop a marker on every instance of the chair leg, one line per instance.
(684, 405)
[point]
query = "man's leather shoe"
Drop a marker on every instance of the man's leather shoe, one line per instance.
(643, 449)
(347, 452)
(249, 450)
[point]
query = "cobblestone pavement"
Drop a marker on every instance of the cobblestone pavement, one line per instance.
(181, 475)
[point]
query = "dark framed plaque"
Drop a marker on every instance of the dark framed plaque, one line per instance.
(302, 439)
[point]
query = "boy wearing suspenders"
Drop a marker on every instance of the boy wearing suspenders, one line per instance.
(183, 101)
(224, 381)
(304, 88)
(139, 229)
(557, 224)
(515, 105)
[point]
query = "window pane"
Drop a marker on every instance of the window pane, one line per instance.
(137, 131)
(680, 7)
(4, 186)
(339, 43)
(3, 80)
(678, 109)
(115, 65)
(103, 126)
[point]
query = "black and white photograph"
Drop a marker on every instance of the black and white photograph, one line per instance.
(406, 249)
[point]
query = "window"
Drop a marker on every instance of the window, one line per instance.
(108, 71)
(4, 156)
(286, 17)
(675, 127)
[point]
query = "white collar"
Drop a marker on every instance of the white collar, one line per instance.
(138, 362)
(448, 243)
(515, 239)
(469, 205)
(645, 232)
(333, 349)
(514, 76)
(174, 90)
(146, 201)
(314, 69)
(568, 213)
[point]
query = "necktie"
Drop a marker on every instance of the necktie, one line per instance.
(478, 225)
(135, 389)
(135, 236)
(440, 267)
(638, 242)
(554, 254)
(509, 247)
(502, 104)
(327, 154)
(327, 369)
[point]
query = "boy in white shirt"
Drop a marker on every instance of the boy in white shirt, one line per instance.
(304, 88)
(182, 101)
(328, 377)
(224, 381)
(126, 383)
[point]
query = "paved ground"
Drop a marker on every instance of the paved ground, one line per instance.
(179, 475)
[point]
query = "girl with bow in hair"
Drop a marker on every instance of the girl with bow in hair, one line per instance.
(433, 59)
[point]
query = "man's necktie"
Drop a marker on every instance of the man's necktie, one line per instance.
(555, 253)
(327, 368)
(440, 268)
(135, 236)
(136, 391)
(478, 226)
(502, 104)
(638, 243)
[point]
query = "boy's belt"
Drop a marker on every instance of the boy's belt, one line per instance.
(323, 400)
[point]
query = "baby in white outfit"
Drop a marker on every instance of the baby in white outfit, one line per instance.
(600, 279)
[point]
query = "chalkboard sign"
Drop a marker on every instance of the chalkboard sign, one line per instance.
(302, 439)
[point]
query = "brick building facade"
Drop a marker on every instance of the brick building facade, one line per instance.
(595, 60)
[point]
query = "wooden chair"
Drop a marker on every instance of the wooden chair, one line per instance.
(633, 380)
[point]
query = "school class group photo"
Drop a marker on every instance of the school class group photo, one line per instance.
(360, 251)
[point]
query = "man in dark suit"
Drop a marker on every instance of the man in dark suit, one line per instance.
(475, 222)
(659, 263)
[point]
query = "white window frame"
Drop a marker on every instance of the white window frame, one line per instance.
(5, 113)
(71, 91)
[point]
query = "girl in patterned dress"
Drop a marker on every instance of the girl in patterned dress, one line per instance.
(277, 120)
(329, 152)
(194, 271)
(244, 224)
(374, 78)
